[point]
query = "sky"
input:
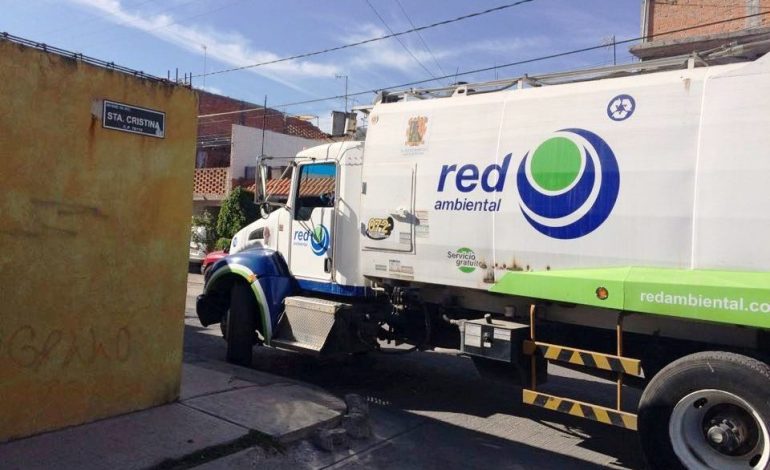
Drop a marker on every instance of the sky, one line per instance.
(200, 37)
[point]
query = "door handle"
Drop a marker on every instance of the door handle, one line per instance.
(401, 212)
(327, 265)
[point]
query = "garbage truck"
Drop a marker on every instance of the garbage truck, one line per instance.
(611, 220)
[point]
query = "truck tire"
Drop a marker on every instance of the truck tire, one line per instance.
(707, 410)
(241, 324)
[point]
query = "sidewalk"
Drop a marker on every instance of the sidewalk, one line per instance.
(222, 409)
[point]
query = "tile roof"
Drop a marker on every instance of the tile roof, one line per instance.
(308, 187)
(316, 186)
(279, 187)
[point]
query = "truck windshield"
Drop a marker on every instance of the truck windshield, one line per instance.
(315, 189)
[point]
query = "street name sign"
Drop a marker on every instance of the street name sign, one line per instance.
(128, 118)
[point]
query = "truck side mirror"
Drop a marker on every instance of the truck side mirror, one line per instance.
(264, 209)
(260, 193)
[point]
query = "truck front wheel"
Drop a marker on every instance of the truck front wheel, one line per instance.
(240, 325)
(707, 410)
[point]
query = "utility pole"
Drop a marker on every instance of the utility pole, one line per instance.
(260, 179)
(204, 65)
(346, 90)
(614, 51)
(264, 124)
(610, 41)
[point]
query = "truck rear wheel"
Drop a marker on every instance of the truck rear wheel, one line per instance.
(241, 324)
(707, 410)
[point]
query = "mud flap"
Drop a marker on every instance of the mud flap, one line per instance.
(209, 312)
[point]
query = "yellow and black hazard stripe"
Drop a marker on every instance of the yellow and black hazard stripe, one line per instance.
(584, 410)
(585, 358)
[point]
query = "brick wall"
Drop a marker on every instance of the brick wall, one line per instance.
(210, 103)
(669, 15)
(211, 182)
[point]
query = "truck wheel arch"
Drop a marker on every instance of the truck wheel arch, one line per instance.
(222, 282)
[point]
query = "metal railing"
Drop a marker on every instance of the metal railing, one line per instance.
(77, 56)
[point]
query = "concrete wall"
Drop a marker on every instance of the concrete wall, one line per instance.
(247, 145)
(94, 234)
(670, 15)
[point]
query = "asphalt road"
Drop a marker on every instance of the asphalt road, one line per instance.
(432, 410)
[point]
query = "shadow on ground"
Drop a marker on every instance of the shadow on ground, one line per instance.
(436, 412)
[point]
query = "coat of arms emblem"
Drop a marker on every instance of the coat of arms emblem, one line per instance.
(415, 131)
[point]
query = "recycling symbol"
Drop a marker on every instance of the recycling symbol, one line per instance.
(621, 107)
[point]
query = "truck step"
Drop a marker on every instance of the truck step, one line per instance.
(598, 413)
(617, 363)
(307, 323)
(581, 357)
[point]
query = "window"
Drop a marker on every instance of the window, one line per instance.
(277, 172)
(316, 188)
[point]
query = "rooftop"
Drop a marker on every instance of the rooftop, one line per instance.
(757, 38)
(79, 57)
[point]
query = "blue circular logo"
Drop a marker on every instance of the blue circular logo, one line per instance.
(569, 184)
(621, 107)
(319, 240)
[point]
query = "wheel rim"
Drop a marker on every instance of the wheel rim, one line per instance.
(717, 429)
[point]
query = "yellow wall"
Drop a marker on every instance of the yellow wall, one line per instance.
(94, 234)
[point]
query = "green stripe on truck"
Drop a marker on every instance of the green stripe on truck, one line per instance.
(735, 297)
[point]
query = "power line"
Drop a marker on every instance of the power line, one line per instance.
(269, 111)
(673, 3)
(420, 36)
(367, 41)
(270, 114)
(511, 64)
(399, 39)
(550, 56)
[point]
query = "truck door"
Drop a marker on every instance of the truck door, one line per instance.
(388, 207)
(312, 228)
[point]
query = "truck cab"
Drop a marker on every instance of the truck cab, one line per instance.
(317, 230)
(305, 248)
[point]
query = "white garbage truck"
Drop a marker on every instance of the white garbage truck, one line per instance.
(610, 220)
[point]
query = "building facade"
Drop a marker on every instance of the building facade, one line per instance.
(675, 27)
(230, 139)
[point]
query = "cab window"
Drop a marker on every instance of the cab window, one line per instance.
(316, 188)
